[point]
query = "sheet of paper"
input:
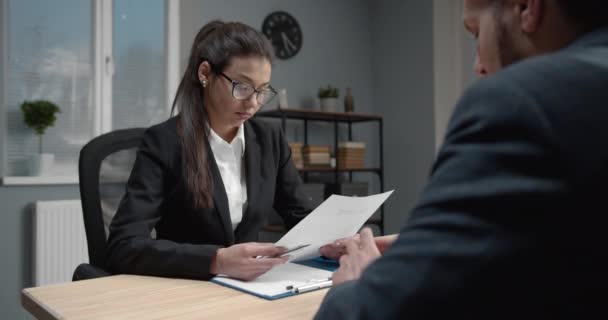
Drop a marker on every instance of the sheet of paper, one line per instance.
(337, 217)
(275, 281)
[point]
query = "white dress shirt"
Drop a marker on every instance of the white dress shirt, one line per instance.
(229, 159)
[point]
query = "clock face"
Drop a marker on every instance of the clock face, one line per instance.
(284, 33)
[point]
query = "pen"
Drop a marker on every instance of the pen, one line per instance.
(290, 287)
(313, 286)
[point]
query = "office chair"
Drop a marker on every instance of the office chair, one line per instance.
(104, 167)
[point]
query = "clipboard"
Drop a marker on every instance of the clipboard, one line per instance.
(291, 278)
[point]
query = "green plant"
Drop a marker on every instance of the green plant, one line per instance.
(39, 115)
(328, 92)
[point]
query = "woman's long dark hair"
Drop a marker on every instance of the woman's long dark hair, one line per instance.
(216, 42)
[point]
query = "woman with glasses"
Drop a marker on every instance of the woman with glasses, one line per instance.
(205, 181)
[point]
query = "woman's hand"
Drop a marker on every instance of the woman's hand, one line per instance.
(338, 248)
(239, 261)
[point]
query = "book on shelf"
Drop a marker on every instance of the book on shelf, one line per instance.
(317, 157)
(351, 151)
(316, 148)
(351, 144)
(350, 156)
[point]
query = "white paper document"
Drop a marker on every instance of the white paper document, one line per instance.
(337, 217)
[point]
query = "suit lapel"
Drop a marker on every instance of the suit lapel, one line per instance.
(220, 199)
(253, 173)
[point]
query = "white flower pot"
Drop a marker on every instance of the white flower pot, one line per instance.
(329, 104)
(41, 164)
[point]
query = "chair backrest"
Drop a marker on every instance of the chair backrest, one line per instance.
(104, 167)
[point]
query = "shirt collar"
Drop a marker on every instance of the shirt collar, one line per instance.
(238, 141)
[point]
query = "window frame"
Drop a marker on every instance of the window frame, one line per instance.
(3, 64)
(103, 72)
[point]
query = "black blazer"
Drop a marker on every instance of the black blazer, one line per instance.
(512, 224)
(187, 239)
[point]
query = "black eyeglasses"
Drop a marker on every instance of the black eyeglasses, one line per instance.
(243, 91)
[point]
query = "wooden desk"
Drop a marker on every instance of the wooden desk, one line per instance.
(137, 297)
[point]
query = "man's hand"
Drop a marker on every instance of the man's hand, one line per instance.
(359, 254)
(239, 261)
(385, 242)
(336, 249)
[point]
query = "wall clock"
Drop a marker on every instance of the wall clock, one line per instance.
(284, 33)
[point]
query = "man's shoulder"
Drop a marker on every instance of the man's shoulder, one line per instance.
(539, 98)
(546, 81)
(549, 75)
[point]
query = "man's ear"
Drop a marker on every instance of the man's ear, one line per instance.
(530, 14)
(204, 70)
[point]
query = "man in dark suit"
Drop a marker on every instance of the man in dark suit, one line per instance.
(511, 223)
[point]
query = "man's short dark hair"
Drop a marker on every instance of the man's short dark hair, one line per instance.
(589, 14)
(586, 14)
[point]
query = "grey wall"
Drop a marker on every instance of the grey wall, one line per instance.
(3, 60)
(336, 47)
(15, 241)
(403, 86)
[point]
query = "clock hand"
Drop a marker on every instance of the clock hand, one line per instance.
(287, 42)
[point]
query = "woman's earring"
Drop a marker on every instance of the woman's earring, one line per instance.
(204, 82)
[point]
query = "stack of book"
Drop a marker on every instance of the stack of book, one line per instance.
(316, 156)
(351, 155)
(296, 154)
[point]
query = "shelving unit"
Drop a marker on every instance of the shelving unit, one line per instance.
(337, 118)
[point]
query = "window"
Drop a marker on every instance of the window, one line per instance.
(106, 63)
(139, 86)
(49, 57)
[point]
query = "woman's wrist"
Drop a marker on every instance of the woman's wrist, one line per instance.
(215, 267)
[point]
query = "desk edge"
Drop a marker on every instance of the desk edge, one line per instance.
(36, 308)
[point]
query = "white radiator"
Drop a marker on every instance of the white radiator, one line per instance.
(59, 243)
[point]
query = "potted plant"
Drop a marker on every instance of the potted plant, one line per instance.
(329, 98)
(39, 115)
